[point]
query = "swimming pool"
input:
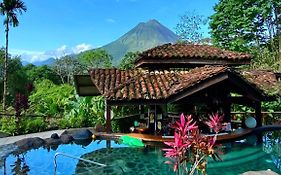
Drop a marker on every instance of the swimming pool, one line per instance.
(238, 157)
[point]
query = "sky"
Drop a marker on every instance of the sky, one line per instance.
(53, 28)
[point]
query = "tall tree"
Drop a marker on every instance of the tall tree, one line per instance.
(10, 9)
(241, 24)
(97, 58)
(190, 26)
(128, 60)
(67, 66)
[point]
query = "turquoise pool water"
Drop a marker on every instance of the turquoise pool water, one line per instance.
(238, 157)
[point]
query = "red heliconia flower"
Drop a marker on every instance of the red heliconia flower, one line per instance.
(184, 126)
(190, 146)
(215, 122)
(177, 147)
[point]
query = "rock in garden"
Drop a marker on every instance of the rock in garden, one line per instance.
(55, 136)
(82, 134)
(66, 138)
(30, 143)
(51, 141)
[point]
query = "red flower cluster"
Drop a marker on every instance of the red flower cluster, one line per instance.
(190, 149)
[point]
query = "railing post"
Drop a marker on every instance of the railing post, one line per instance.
(108, 117)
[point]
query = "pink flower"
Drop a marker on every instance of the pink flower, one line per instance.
(184, 126)
(215, 122)
(190, 145)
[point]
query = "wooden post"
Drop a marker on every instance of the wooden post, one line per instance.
(108, 118)
(227, 110)
(258, 113)
(141, 111)
(155, 120)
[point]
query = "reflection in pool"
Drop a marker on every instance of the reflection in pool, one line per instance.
(238, 157)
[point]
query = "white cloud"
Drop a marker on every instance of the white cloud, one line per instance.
(110, 20)
(81, 48)
(34, 56)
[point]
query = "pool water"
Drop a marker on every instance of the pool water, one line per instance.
(238, 157)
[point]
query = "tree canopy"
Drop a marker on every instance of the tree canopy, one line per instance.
(127, 62)
(240, 24)
(97, 58)
(190, 26)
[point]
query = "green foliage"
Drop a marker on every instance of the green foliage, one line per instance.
(49, 99)
(39, 73)
(97, 58)
(10, 9)
(237, 25)
(85, 111)
(190, 26)
(17, 78)
(272, 106)
(127, 62)
(266, 60)
(32, 125)
(8, 125)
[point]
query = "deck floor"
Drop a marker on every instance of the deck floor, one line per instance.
(224, 137)
(158, 138)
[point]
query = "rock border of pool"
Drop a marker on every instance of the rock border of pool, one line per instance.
(49, 139)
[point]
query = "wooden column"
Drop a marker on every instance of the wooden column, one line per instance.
(258, 113)
(227, 109)
(141, 110)
(155, 120)
(108, 118)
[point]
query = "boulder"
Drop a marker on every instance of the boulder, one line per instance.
(30, 143)
(51, 141)
(66, 138)
(55, 136)
(82, 134)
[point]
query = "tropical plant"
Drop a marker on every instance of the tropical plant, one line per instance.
(190, 150)
(51, 100)
(32, 125)
(8, 125)
(9, 8)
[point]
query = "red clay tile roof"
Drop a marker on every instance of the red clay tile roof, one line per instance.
(196, 75)
(193, 51)
(186, 54)
(155, 85)
(265, 80)
(108, 79)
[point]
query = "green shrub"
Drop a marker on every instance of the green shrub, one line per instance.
(84, 112)
(8, 125)
(32, 125)
(51, 100)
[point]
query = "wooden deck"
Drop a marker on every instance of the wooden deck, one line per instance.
(157, 138)
(224, 137)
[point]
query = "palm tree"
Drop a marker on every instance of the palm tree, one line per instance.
(9, 8)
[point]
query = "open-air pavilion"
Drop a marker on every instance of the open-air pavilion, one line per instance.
(181, 74)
